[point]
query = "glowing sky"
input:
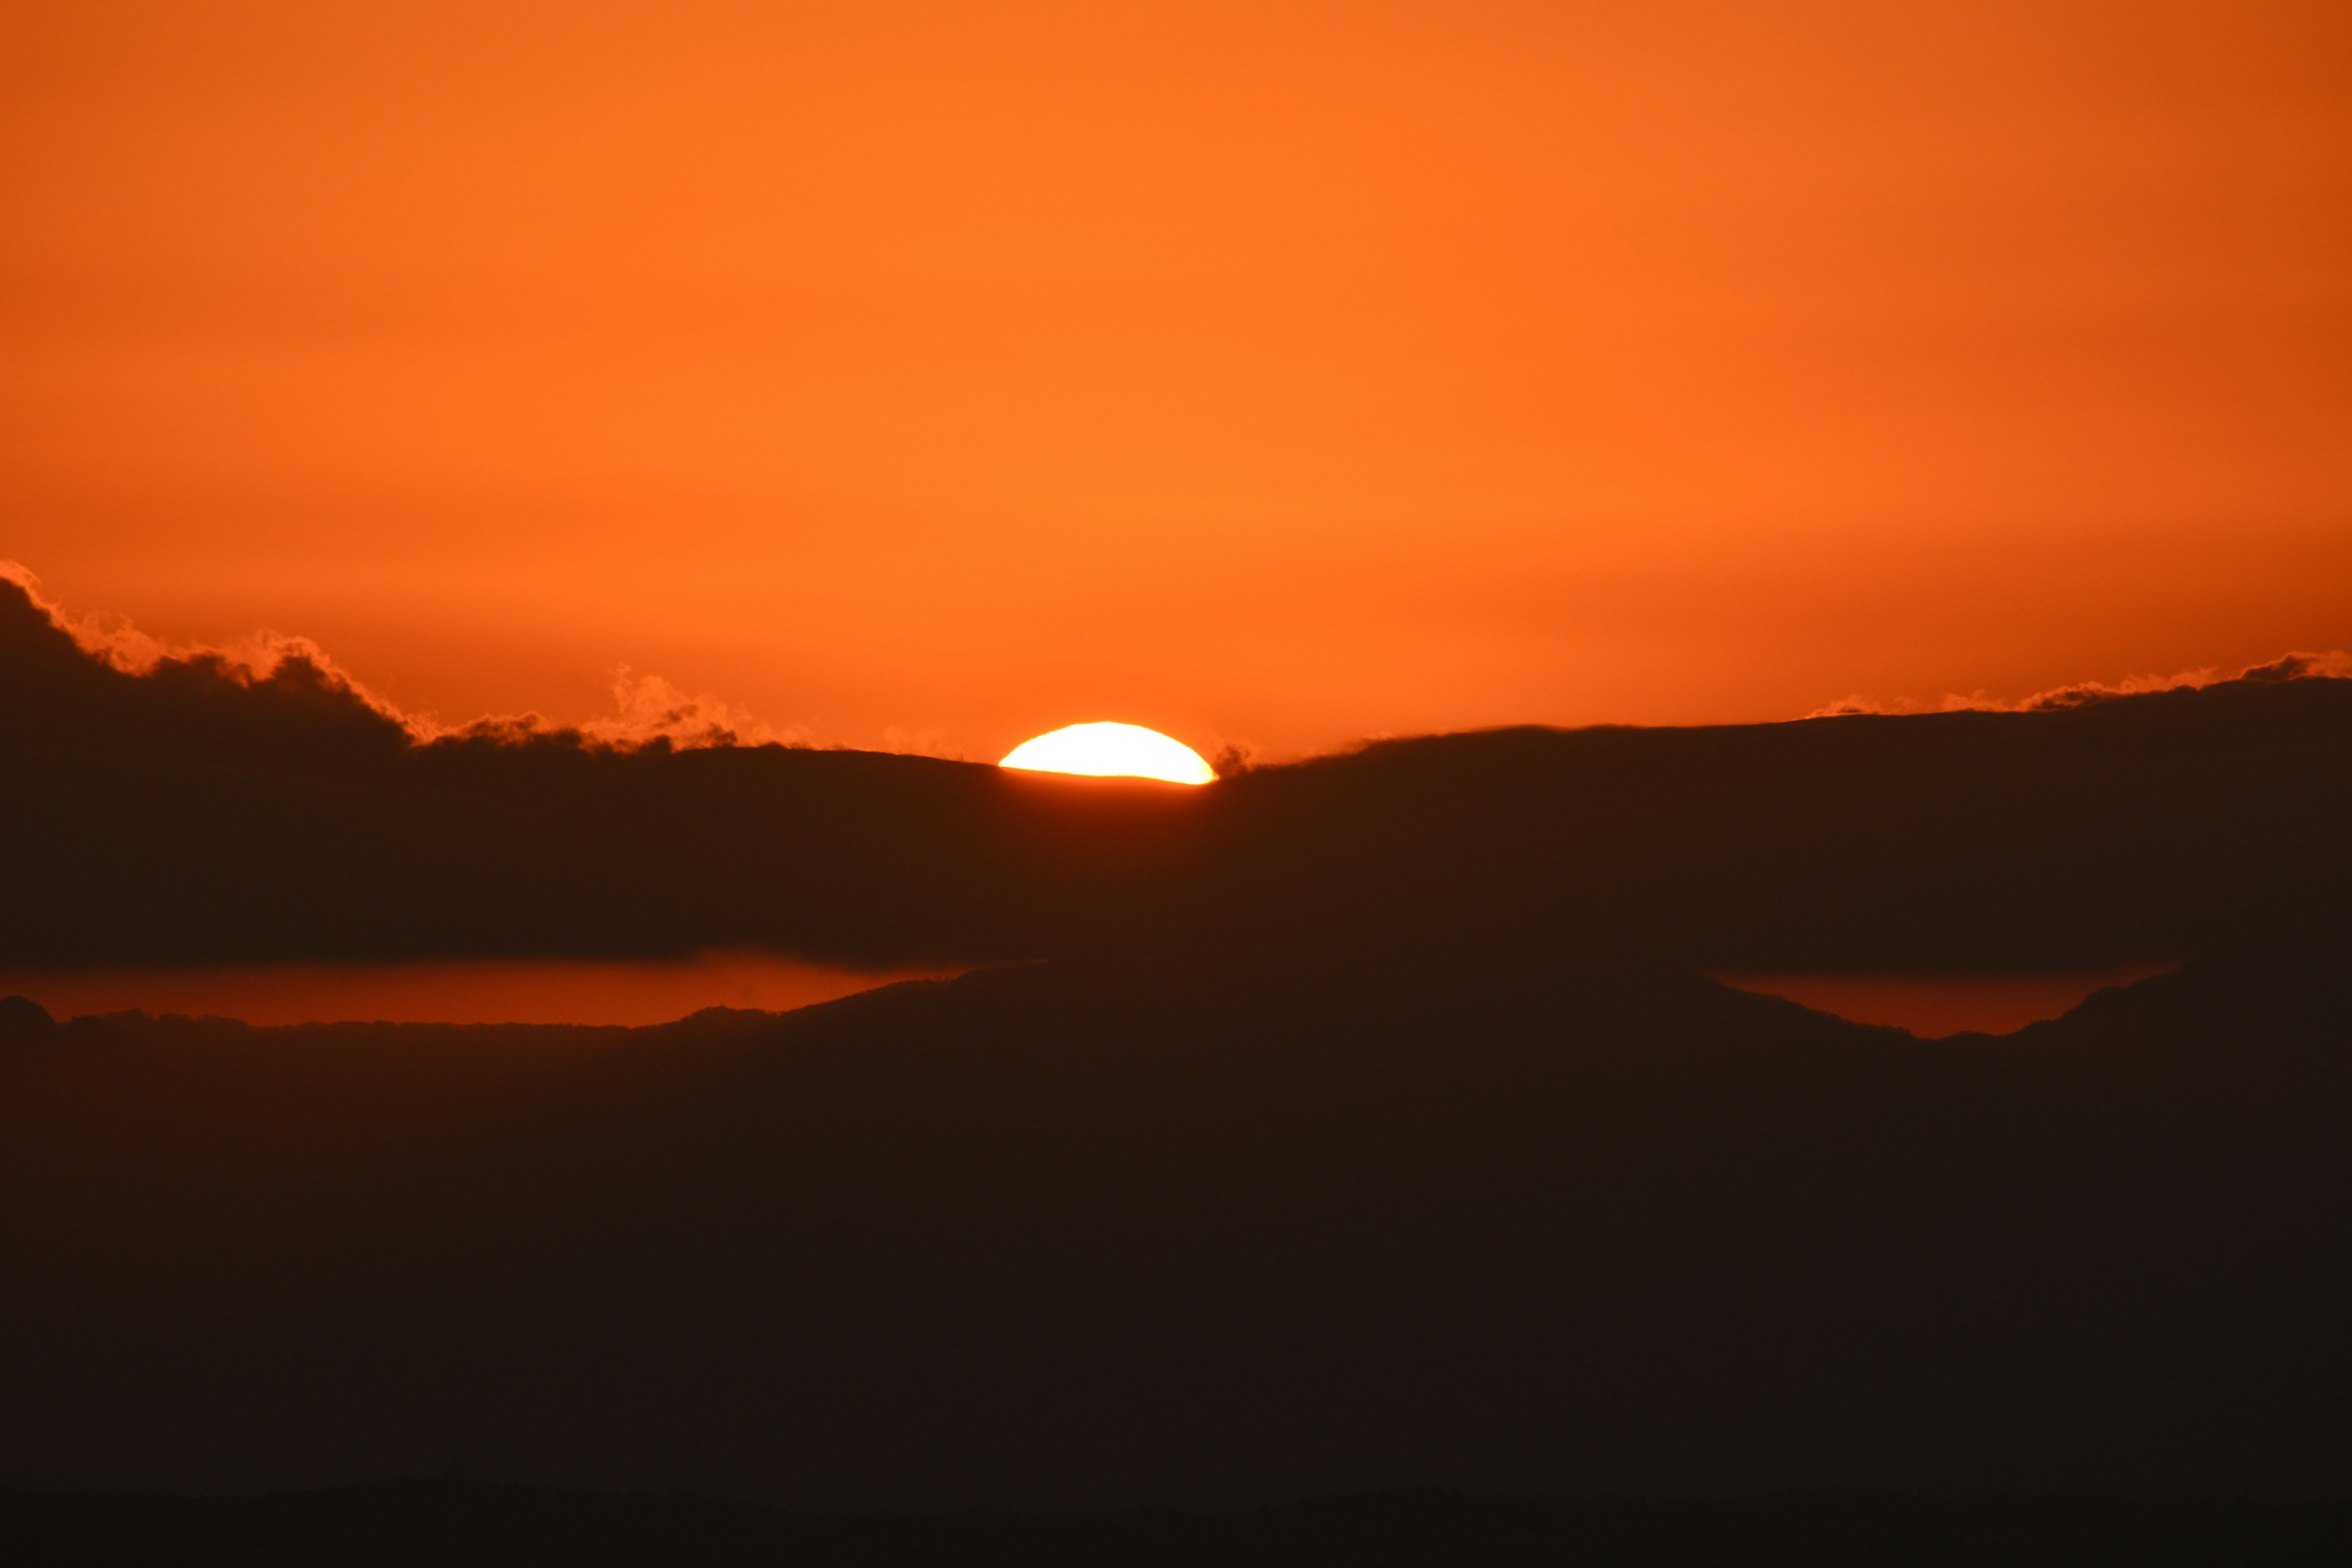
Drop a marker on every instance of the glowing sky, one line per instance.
(932, 375)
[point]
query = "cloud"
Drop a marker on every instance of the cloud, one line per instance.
(1855, 707)
(1232, 758)
(2082, 694)
(2087, 693)
(105, 687)
(256, 659)
(2336, 664)
(650, 714)
(140, 689)
(928, 742)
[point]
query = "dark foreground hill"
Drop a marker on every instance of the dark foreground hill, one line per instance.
(454, 1523)
(1234, 1227)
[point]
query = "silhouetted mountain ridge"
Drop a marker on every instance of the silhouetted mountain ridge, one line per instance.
(460, 1522)
(1184, 1228)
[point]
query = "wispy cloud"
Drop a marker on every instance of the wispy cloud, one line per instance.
(2335, 664)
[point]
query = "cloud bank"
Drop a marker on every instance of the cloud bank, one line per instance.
(2335, 664)
(271, 672)
(192, 809)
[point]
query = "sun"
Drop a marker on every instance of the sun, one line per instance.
(1124, 751)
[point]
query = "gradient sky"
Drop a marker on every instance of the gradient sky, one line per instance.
(927, 375)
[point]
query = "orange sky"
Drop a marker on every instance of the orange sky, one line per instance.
(934, 374)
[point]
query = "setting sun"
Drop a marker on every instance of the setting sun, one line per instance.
(1124, 751)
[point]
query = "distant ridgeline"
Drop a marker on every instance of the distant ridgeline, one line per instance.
(452, 1522)
(197, 813)
(1207, 1229)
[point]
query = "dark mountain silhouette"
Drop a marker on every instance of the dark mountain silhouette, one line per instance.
(1361, 1123)
(460, 1522)
(1112, 1230)
(198, 813)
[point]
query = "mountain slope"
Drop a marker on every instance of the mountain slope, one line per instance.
(1197, 1229)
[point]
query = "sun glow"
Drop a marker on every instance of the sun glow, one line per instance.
(1124, 751)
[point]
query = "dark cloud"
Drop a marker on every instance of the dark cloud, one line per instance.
(2301, 667)
(197, 811)
(298, 713)
(2083, 693)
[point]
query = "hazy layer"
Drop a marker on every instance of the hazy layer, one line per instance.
(545, 992)
(1934, 1006)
